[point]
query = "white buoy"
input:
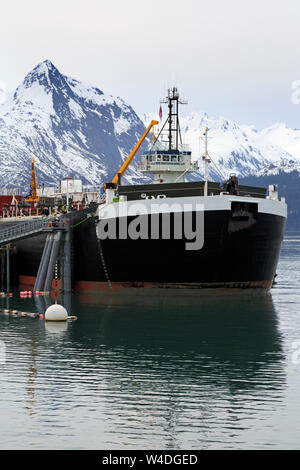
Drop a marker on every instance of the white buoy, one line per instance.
(56, 312)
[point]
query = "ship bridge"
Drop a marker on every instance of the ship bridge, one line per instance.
(168, 165)
(168, 158)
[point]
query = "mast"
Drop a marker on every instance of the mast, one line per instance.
(174, 133)
(207, 160)
(168, 158)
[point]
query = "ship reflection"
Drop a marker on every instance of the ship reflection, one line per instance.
(185, 354)
(239, 329)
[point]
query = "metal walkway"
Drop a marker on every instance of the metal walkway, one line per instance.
(19, 230)
(11, 231)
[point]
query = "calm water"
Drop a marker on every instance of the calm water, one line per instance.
(152, 372)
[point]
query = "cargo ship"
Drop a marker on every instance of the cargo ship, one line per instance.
(235, 231)
(172, 233)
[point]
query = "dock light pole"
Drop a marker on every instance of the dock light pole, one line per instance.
(67, 195)
(7, 269)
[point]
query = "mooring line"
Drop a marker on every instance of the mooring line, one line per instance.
(104, 264)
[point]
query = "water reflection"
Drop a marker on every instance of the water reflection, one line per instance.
(198, 362)
(31, 382)
(159, 371)
(236, 329)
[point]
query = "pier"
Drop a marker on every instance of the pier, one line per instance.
(56, 259)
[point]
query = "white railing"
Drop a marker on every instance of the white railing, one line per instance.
(22, 230)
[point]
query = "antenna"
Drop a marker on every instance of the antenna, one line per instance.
(173, 102)
(206, 158)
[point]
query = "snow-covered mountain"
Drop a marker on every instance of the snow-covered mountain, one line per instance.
(239, 149)
(284, 137)
(70, 128)
(281, 166)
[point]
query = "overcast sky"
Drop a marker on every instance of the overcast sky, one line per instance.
(232, 58)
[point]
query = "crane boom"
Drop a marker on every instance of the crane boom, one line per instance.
(33, 195)
(121, 171)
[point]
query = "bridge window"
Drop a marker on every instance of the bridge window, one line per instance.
(166, 158)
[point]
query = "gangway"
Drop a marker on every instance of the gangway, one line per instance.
(19, 230)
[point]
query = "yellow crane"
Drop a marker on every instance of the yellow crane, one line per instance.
(33, 197)
(117, 178)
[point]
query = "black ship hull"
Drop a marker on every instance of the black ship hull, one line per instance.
(237, 253)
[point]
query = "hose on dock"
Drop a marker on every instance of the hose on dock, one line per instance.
(40, 278)
(58, 242)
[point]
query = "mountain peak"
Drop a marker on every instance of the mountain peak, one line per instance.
(69, 126)
(43, 71)
(40, 84)
(45, 66)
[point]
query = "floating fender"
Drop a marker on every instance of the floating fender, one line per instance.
(56, 312)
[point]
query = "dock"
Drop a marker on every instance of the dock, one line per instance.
(57, 249)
